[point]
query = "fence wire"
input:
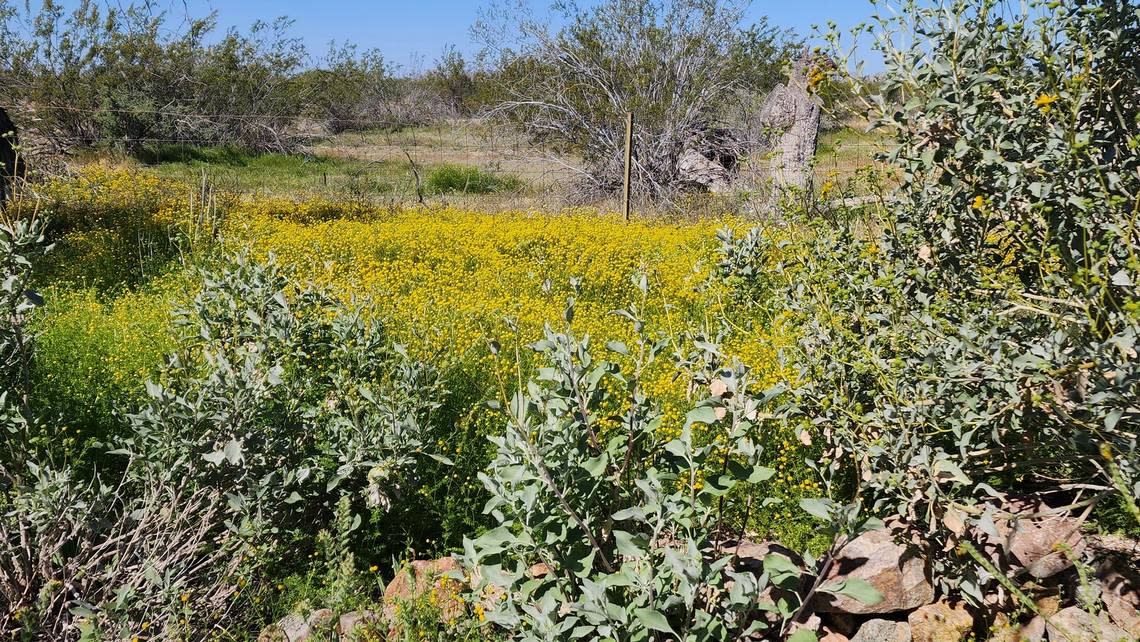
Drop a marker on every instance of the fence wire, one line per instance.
(469, 163)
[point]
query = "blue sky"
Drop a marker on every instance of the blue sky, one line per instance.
(407, 31)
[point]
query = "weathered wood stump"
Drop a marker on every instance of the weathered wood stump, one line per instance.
(11, 165)
(790, 115)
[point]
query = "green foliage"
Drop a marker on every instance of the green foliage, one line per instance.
(90, 358)
(120, 75)
(632, 526)
(157, 552)
(467, 179)
(289, 402)
(982, 347)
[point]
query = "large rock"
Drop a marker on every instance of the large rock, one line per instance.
(1033, 631)
(1074, 624)
(695, 169)
(355, 624)
(1038, 544)
(883, 631)
(1120, 592)
(940, 622)
(426, 579)
(897, 573)
(291, 628)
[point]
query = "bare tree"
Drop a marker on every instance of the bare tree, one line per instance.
(673, 63)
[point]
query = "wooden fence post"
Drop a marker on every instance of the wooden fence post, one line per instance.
(628, 163)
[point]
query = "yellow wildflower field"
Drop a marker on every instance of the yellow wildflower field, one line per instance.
(447, 283)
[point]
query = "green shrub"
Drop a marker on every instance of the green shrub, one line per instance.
(636, 528)
(289, 401)
(466, 179)
(141, 546)
(982, 346)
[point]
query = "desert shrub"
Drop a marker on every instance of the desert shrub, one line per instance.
(679, 65)
(287, 401)
(637, 528)
(980, 350)
(126, 75)
(86, 556)
(466, 179)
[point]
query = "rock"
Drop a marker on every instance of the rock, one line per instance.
(1120, 592)
(1036, 544)
(321, 621)
(883, 631)
(1034, 631)
(1003, 629)
(354, 623)
(1124, 547)
(426, 579)
(841, 623)
(695, 169)
(539, 570)
(940, 622)
(1074, 624)
(291, 628)
(750, 555)
(834, 636)
(1047, 605)
(898, 574)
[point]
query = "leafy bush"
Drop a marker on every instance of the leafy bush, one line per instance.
(681, 66)
(622, 517)
(981, 350)
(467, 179)
(287, 402)
(637, 530)
(92, 556)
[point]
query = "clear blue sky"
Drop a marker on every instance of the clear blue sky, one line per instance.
(405, 30)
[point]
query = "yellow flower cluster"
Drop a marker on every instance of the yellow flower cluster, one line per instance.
(444, 281)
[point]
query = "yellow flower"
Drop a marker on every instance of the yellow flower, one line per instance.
(1045, 101)
(479, 612)
(979, 202)
(185, 597)
(373, 568)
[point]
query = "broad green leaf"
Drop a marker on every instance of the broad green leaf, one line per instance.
(817, 507)
(856, 589)
(630, 545)
(701, 415)
(653, 619)
(780, 569)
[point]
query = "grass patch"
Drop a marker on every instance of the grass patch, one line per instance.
(240, 171)
(466, 179)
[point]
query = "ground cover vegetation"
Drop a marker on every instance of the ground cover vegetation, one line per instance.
(219, 408)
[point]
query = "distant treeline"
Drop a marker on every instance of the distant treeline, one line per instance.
(126, 75)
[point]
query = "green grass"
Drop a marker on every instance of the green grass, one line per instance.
(466, 179)
(240, 171)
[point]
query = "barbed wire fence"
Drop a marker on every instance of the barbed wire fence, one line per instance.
(470, 163)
